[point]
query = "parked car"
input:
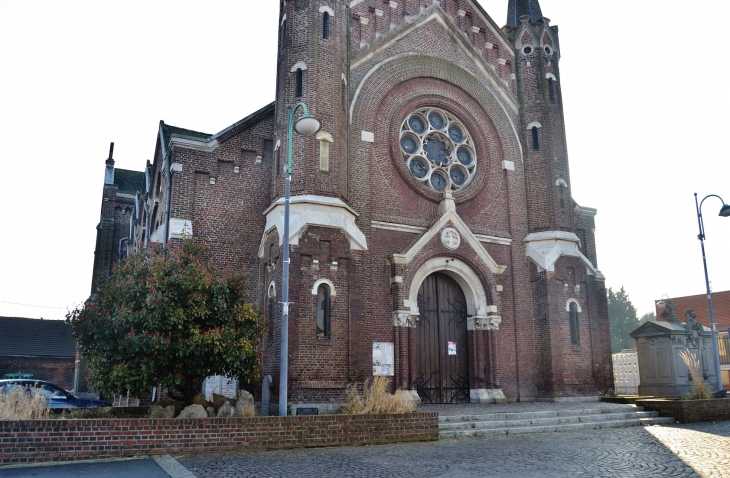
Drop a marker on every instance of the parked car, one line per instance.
(55, 396)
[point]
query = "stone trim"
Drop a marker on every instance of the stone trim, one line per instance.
(324, 281)
(300, 65)
(306, 210)
(585, 211)
(572, 301)
(450, 216)
(482, 395)
(188, 143)
(545, 248)
(462, 273)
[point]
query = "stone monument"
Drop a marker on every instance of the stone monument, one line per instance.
(662, 371)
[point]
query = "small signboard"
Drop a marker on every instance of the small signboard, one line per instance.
(452, 348)
(383, 359)
(220, 385)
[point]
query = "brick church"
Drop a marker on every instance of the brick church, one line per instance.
(434, 238)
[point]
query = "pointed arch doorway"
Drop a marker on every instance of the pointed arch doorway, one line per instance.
(442, 355)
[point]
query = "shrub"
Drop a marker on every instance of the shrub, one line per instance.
(376, 399)
(170, 318)
(695, 370)
(21, 404)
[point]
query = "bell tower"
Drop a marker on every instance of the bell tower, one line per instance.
(570, 318)
(543, 130)
(312, 68)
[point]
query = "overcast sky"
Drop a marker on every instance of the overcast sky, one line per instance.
(645, 95)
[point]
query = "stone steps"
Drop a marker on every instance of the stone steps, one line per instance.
(499, 424)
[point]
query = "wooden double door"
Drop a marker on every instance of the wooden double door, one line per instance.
(442, 372)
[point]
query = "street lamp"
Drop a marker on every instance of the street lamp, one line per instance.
(306, 125)
(724, 212)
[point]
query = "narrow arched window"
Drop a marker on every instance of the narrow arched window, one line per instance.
(300, 82)
(574, 335)
(323, 311)
(326, 25)
(551, 90)
(272, 305)
(535, 139)
(561, 196)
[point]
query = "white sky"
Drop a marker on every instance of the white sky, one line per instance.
(644, 86)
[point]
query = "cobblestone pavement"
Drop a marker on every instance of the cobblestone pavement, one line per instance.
(689, 450)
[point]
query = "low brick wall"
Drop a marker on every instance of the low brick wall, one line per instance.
(689, 411)
(36, 441)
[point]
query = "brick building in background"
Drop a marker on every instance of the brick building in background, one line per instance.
(721, 309)
(434, 237)
(44, 348)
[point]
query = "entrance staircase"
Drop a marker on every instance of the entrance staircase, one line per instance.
(517, 423)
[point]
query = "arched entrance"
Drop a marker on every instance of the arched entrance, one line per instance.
(442, 369)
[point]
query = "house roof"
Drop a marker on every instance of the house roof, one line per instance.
(253, 118)
(720, 307)
(36, 338)
(128, 181)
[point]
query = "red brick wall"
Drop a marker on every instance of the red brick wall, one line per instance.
(689, 411)
(70, 440)
(57, 370)
(434, 63)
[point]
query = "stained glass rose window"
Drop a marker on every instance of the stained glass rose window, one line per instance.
(437, 149)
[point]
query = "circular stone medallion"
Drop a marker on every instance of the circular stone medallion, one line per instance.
(450, 238)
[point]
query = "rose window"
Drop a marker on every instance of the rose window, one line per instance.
(437, 149)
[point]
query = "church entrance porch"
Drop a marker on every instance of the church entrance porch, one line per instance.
(442, 355)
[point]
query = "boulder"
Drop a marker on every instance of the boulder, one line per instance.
(244, 401)
(226, 410)
(158, 411)
(193, 411)
(219, 400)
(199, 399)
(211, 412)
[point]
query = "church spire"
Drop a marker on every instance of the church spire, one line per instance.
(518, 8)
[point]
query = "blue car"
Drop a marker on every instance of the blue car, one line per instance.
(55, 396)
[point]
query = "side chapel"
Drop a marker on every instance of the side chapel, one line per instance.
(434, 236)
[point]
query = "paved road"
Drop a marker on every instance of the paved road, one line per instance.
(146, 468)
(692, 450)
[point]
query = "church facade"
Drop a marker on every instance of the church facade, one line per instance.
(434, 238)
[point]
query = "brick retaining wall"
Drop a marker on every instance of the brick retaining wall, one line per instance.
(35, 441)
(689, 411)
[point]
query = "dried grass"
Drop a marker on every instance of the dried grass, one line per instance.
(376, 399)
(20, 404)
(695, 370)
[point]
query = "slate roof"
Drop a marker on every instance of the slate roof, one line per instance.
(168, 130)
(518, 8)
(256, 116)
(36, 338)
(128, 182)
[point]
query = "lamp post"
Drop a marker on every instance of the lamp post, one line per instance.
(724, 212)
(307, 125)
